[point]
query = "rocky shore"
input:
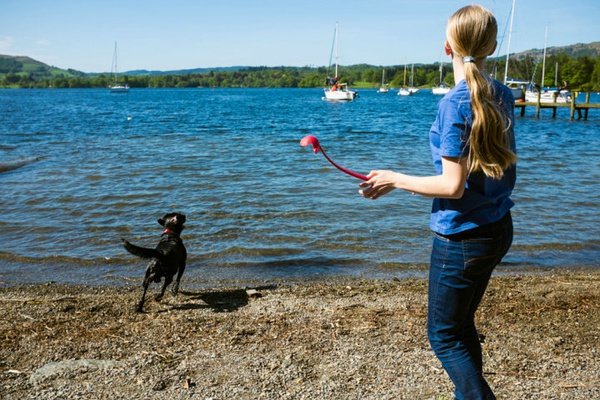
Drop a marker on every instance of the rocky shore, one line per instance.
(338, 339)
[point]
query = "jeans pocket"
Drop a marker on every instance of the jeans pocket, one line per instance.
(482, 254)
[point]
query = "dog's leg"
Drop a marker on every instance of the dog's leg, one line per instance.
(168, 280)
(140, 306)
(175, 288)
(147, 280)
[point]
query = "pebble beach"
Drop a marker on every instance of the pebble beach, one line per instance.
(329, 339)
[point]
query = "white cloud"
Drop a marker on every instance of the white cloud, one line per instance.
(5, 43)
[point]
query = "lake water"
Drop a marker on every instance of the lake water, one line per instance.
(259, 206)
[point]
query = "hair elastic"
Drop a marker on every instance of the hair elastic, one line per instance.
(468, 59)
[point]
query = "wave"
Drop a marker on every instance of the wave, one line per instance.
(59, 260)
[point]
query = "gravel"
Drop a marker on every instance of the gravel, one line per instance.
(336, 339)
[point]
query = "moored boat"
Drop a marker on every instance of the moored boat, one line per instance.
(410, 90)
(554, 95)
(117, 87)
(549, 95)
(338, 91)
(442, 88)
(517, 88)
(384, 87)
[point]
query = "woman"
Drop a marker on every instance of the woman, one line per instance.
(473, 149)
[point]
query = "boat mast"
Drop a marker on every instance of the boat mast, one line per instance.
(115, 62)
(544, 59)
(512, 15)
(336, 50)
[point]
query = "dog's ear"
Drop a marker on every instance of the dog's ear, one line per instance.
(182, 219)
(161, 221)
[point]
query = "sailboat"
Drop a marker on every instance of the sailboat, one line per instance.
(517, 87)
(532, 94)
(410, 90)
(384, 87)
(117, 87)
(442, 88)
(338, 91)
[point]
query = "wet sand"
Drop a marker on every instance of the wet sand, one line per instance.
(333, 339)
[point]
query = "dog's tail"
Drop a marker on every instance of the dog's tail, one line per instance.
(142, 252)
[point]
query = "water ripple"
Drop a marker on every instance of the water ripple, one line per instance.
(257, 201)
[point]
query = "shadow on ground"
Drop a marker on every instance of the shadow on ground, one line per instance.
(221, 300)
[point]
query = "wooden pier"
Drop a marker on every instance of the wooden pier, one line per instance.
(582, 109)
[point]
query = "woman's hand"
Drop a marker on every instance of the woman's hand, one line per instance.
(449, 185)
(380, 182)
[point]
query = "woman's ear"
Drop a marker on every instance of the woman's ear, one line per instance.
(447, 49)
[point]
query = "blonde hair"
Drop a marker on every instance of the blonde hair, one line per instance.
(471, 31)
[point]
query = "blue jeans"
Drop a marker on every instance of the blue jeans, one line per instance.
(461, 266)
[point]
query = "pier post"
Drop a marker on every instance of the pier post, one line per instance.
(582, 108)
(587, 101)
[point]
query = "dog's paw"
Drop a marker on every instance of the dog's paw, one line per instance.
(175, 289)
(158, 297)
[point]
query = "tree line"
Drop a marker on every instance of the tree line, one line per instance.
(581, 73)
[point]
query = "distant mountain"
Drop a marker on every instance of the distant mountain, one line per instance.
(145, 72)
(22, 65)
(572, 51)
(13, 68)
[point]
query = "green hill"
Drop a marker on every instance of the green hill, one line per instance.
(15, 69)
(578, 50)
(578, 64)
(145, 72)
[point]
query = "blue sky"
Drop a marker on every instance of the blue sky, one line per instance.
(178, 34)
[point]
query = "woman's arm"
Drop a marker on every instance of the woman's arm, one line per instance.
(450, 185)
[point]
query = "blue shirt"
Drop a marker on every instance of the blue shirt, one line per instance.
(485, 200)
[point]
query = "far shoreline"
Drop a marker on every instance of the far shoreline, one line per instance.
(196, 278)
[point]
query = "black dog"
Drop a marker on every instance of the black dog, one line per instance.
(168, 258)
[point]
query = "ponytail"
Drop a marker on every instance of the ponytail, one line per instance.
(489, 147)
(471, 33)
